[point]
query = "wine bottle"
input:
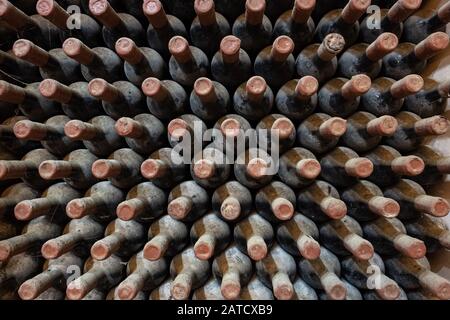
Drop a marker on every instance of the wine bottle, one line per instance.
(408, 58)
(415, 273)
(341, 96)
(234, 270)
(343, 21)
(297, 99)
(209, 291)
(389, 237)
(36, 232)
(367, 59)
(432, 231)
(277, 271)
(343, 237)
(19, 69)
(232, 200)
(366, 202)
(320, 59)
(276, 132)
(299, 236)
(412, 130)
(122, 168)
(163, 291)
(352, 293)
(35, 27)
(436, 166)
(256, 290)
(81, 26)
(298, 168)
(413, 200)
(99, 202)
(187, 202)
(320, 133)
(430, 101)
(9, 140)
(18, 269)
(387, 96)
(275, 202)
(303, 291)
(231, 65)
(188, 272)
(343, 167)
(28, 100)
(230, 133)
(389, 166)
(208, 28)
(53, 64)
(210, 236)
(276, 63)
(145, 133)
(358, 272)
(167, 237)
(99, 62)
(50, 133)
(101, 275)
(187, 63)
(210, 169)
(75, 100)
(12, 195)
(320, 202)
(74, 169)
(425, 21)
(253, 99)
(297, 24)
(53, 277)
(78, 236)
(52, 203)
(98, 135)
(253, 27)
(116, 25)
(365, 131)
(113, 294)
(122, 238)
(209, 100)
(323, 274)
(143, 275)
(144, 203)
(162, 27)
(186, 130)
(27, 168)
(390, 20)
(254, 235)
(140, 62)
(254, 168)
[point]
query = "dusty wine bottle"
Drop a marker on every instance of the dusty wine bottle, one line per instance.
(389, 237)
(98, 135)
(10, 142)
(365, 202)
(210, 169)
(254, 168)
(74, 169)
(276, 63)
(365, 131)
(253, 99)
(298, 168)
(75, 100)
(320, 202)
(276, 132)
(275, 202)
(140, 62)
(99, 62)
(209, 100)
(436, 166)
(167, 237)
(320, 133)
(186, 127)
(187, 63)
(54, 64)
(188, 201)
(231, 65)
(299, 236)
(18, 68)
(210, 236)
(431, 230)
(320, 59)
(253, 28)
(144, 203)
(14, 194)
(408, 58)
(232, 200)
(341, 96)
